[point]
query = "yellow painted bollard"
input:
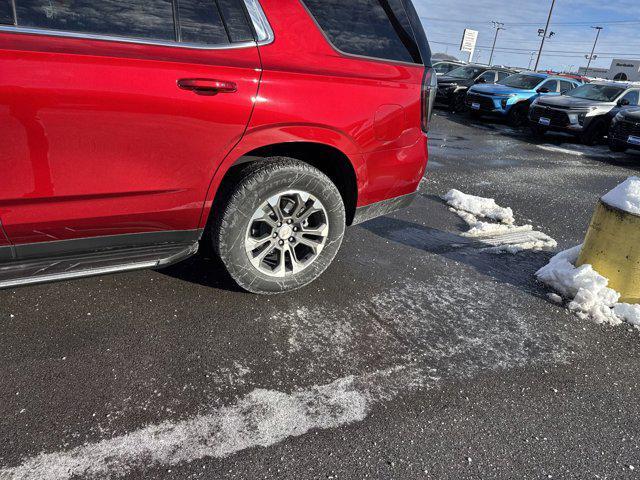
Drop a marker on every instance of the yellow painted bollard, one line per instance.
(612, 246)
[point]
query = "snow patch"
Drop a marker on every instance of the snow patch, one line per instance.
(500, 237)
(588, 292)
(479, 206)
(262, 418)
(625, 196)
(553, 148)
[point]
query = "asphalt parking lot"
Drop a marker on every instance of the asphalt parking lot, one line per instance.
(411, 357)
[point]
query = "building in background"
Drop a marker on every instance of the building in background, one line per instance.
(594, 72)
(621, 69)
(625, 70)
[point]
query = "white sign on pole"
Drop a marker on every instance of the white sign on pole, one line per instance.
(469, 40)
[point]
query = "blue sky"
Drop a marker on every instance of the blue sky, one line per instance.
(445, 21)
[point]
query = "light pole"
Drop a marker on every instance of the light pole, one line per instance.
(533, 54)
(498, 26)
(544, 33)
(592, 57)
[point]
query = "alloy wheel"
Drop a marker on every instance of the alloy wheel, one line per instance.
(287, 233)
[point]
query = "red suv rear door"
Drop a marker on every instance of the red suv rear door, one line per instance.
(114, 114)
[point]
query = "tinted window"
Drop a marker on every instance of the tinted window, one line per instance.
(466, 73)
(599, 93)
(200, 22)
(236, 20)
(6, 12)
(522, 81)
(488, 77)
(551, 85)
(633, 97)
(372, 28)
(502, 75)
(442, 67)
(130, 18)
(566, 86)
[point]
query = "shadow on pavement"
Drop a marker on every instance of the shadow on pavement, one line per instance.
(516, 270)
(203, 270)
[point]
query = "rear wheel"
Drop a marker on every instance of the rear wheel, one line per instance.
(518, 115)
(458, 104)
(280, 227)
(594, 134)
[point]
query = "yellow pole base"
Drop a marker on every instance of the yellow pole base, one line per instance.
(612, 246)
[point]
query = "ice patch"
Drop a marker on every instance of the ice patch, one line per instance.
(587, 290)
(262, 418)
(553, 148)
(479, 206)
(625, 196)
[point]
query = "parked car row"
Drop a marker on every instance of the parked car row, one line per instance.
(547, 102)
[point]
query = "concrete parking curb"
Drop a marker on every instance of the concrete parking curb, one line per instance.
(612, 247)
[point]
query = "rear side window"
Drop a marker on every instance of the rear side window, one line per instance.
(129, 18)
(566, 86)
(489, 77)
(6, 12)
(633, 96)
(235, 20)
(200, 22)
(370, 28)
(503, 75)
(205, 22)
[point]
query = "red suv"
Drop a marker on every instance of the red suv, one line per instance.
(133, 131)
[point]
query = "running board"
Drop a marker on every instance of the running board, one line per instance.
(29, 272)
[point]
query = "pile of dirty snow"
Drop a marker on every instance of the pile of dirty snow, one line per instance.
(500, 232)
(586, 290)
(625, 196)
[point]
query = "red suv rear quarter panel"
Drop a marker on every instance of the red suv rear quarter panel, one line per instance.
(369, 109)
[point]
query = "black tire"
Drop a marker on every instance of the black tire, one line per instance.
(617, 147)
(458, 102)
(594, 134)
(519, 115)
(538, 132)
(258, 183)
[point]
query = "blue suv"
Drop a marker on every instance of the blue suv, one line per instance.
(512, 96)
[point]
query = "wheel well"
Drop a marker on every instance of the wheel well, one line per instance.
(329, 160)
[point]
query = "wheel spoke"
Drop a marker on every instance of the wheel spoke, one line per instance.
(321, 231)
(296, 264)
(253, 244)
(307, 213)
(300, 204)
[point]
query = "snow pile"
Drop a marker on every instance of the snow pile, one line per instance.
(479, 228)
(501, 234)
(588, 292)
(479, 206)
(625, 196)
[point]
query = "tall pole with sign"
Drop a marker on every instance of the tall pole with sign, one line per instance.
(469, 40)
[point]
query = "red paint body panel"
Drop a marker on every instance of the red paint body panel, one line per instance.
(98, 138)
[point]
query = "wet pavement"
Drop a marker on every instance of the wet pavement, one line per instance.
(410, 358)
